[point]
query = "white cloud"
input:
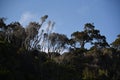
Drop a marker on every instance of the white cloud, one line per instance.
(26, 17)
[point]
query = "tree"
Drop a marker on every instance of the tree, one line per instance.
(100, 42)
(95, 37)
(15, 34)
(23, 53)
(57, 42)
(32, 32)
(2, 23)
(116, 44)
(89, 35)
(45, 44)
(80, 37)
(2, 28)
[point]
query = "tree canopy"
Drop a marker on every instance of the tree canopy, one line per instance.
(34, 53)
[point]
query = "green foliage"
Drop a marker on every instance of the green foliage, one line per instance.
(116, 43)
(80, 37)
(88, 74)
(23, 53)
(102, 72)
(89, 35)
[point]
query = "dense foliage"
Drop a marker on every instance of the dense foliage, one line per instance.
(31, 53)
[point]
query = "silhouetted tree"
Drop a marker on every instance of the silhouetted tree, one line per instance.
(94, 36)
(80, 37)
(57, 42)
(116, 43)
(15, 34)
(45, 44)
(32, 31)
(33, 53)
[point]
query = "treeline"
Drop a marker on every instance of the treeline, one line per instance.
(34, 53)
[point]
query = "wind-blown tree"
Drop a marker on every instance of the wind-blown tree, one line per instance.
(23, 53)
(45, 46)
(28, 37)
(57, 42)
(32, 33)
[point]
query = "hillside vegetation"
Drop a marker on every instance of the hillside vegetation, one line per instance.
(33, 53)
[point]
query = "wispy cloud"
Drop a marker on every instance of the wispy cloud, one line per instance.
(26, 17)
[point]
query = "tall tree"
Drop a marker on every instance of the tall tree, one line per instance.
(90, 34)
(83, 37)
(45, 44)
(32, 32)
(95, 37)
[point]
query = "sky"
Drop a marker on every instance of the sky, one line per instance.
(69, 15)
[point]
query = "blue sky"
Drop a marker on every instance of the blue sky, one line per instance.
(69, 15)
